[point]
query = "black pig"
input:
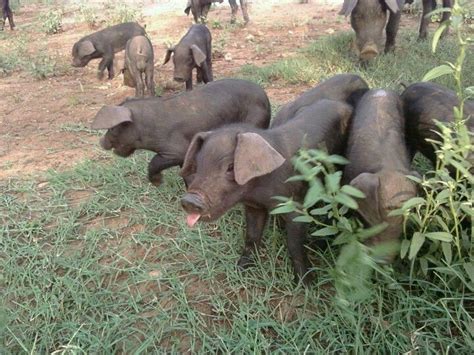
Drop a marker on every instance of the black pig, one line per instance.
(242, 164)
(368, 19)
(423, 104)
(138, 63)
(379, 163)
(200, 9)
(194, 50)
(166, 126)
(6, 13)
(341, 87)
(104, 44)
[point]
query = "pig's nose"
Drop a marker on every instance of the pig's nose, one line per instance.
(192, 203)
(179, 79)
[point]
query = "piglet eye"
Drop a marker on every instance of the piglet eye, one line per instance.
(230, 168)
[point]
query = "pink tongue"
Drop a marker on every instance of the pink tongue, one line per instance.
(192, 218)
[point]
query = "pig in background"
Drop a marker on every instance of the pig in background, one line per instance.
(428, 6)
(425, 103)
(369, 19)
(200, 9)
(194, 50)
(241, 164)
(379, 163)
(138, 66)
(6, 13)
(166, 126)
(104, 44)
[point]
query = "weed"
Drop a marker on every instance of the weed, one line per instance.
(51, 22)
(120, 12)
(88, 14)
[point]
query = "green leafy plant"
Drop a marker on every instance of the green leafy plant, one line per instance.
(120, 12)
(52, 22)
(327, 206)
(441, 218)
(89, 15)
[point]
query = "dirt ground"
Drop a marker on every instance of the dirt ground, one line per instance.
(44, 123)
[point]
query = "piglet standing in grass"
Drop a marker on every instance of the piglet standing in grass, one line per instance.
(167, 125)
(379, 163)
(194, 50)
(104, 44)
(242, 164)
(138, 67)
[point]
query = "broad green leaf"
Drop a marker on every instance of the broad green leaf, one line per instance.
(323, 232)
(303, 219)
(467, 209)
(320, 211)
(313, 194)
(337, 159)
(296, 178)
(442, 236)
(404, 248)
(437, 35)
(443, 196)
(416, 243)
(283, 209)
(415, 201)
(332, 181)
(447, 251)
(437, 72)
(370, 232)
(343, 238)
(346, 200)
(352, 191)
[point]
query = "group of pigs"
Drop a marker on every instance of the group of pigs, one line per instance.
(220, 134)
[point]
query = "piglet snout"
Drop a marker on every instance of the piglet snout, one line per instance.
(105, 144)
(192, 203)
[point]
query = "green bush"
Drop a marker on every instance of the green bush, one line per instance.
(52, 22)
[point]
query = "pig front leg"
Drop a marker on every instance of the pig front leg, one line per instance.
(157, 165)
(255, 220)
(106, 62)
(295, 237)
(391, 30)
(206, 72)
(189, 84)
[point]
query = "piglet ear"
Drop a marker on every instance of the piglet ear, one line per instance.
(254, 157)
(189, 164)
(369, 207)
(85, 48)
(347, 7)
(111, 116)
(198, 55)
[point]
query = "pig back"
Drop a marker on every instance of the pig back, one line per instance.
(425, 103)
(342, 87)
(377, 135)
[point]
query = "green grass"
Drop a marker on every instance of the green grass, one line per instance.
(96, 260)
(332, 55)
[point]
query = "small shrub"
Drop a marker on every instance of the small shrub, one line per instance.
(88, 15)
(52, 22)
(120, 12)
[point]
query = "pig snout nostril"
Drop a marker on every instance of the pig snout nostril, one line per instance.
(192, 203)
(178, 79)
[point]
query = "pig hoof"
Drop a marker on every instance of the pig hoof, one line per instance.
(245, 262)
(156, 180)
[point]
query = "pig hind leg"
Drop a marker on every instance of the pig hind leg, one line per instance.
(245, 14)
(150, 83)
(391, 30)
(235, 8)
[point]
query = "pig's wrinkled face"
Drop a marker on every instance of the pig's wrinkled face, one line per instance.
(368, 21)
(213, 189)
(183, 64)
(122, 139)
